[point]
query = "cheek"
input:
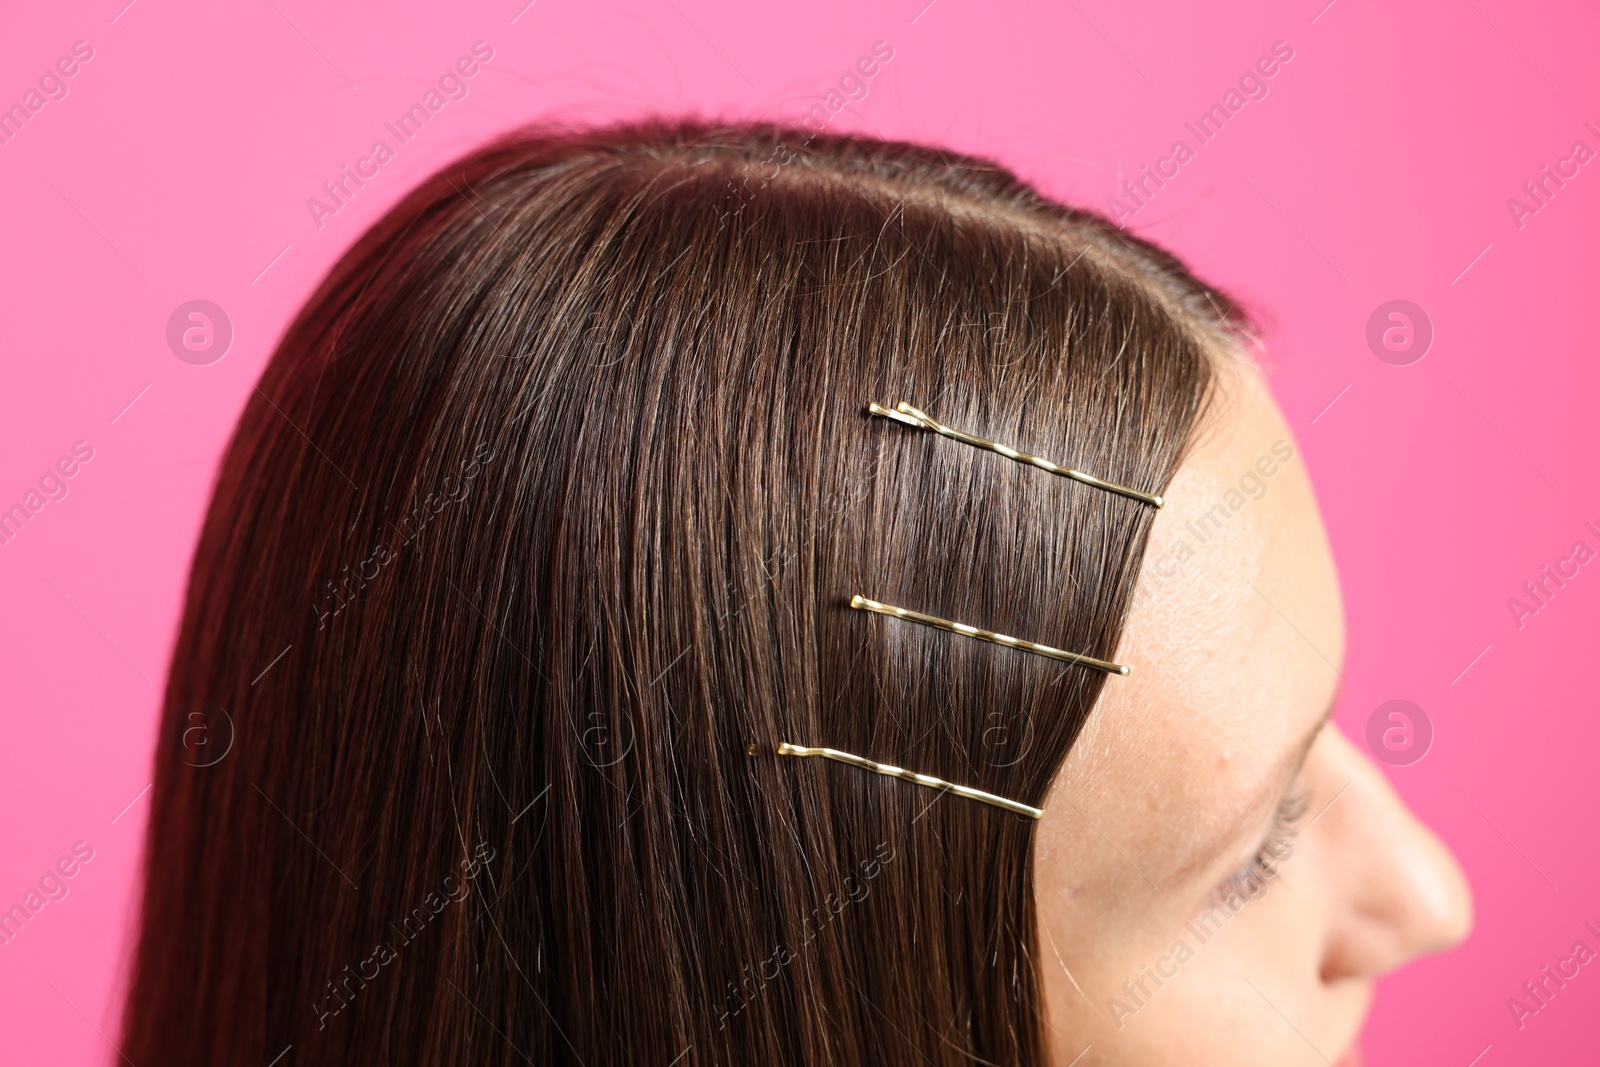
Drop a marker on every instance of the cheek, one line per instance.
(1113, 950)
(1162, 987)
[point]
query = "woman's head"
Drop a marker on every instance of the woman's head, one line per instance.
(558, 491)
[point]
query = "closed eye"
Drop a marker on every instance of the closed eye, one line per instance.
(1276, 847)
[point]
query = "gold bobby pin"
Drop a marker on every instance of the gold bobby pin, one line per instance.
(786, 749)
(862, 603)
(909, 415)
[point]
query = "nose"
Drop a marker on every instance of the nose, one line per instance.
(1402, 893)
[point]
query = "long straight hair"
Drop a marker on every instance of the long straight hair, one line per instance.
(538, 536)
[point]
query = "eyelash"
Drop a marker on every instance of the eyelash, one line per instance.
(1263, 866)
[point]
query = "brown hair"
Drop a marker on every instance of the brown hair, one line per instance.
(557, 492)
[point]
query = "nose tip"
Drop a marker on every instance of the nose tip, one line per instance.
(1439, 903)
(1407, 894)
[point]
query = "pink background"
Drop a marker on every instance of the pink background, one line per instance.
(1379, 167)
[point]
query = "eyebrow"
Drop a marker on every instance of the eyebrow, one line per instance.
(1261, 802)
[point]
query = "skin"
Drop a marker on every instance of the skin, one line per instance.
(1175, 781)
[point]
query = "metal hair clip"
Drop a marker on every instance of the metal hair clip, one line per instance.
(786, 749)
(909, 415)
(863, 604)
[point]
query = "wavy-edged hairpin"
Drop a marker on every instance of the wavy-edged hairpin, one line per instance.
(861, 603)
(786, 749)
(910, 416)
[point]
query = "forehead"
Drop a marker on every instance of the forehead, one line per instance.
(1232, 638)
